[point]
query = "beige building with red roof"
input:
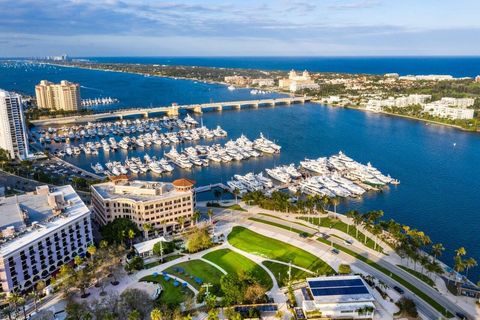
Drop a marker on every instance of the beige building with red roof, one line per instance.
(167, 207)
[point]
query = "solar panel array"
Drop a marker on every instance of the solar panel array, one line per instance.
(337, 287)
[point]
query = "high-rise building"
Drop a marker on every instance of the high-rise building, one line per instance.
(62, 96)
(13, 132)
(41, 231)
(168, 207)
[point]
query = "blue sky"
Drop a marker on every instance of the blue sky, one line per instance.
(242, 27)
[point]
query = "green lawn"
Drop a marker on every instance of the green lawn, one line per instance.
(281, 273)
(255, 243)
(199, 269)
(171, 296)
(279, 225)
(235, 206)
(235, 263)
(342, 226)
(394, 276)
(419, 275)
(166, 259)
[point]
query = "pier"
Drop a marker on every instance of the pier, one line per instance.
(172, 110)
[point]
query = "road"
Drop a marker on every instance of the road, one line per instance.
(422, 306)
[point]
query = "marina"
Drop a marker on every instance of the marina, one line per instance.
(335, 176)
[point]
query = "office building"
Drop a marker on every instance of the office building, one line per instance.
(41, 231)
(338, 297)
(168, 207)
(13, 131)
(62, 96)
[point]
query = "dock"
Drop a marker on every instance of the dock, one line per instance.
(173, 110)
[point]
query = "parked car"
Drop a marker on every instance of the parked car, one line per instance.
(398, 289)
(461, 316)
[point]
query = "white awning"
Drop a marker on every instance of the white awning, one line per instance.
(147, 246)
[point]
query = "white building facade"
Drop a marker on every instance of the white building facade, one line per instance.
(13, 131)
(41, 231)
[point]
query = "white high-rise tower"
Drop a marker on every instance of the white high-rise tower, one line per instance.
(13, 131)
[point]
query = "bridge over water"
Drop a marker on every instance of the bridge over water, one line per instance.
(172, 110)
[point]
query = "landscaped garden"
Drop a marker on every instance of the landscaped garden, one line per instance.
(270, 248)
(280, 271)
(234, 263)
(173, 292)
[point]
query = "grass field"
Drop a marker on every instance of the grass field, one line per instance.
(166, 259)
(199, 269)
(342, 226)
(279, 225)
(255, 243)
(171, 296)
(281, 273)
(235, 263)
(394, 276)
(419, 275)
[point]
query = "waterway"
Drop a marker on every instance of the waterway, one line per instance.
(439, 180)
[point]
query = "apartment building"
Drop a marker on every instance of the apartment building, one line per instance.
(62, 96)
(41, 231)
(168, 207)
(13, 131)
(444, 111)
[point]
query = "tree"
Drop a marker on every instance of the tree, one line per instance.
(131, 236)
(181, 222)
(210, 214)
(232, 288)
(196, 215)
(335, 201)
(255, 292)
(198, 240)
(213, 314)
(136, 263)
(460, 252)
(161, 248)
(115, 231)
(437, 250)
(357, 220)
(134, 315)
(147, 227)
(91, 249)
(156, 314)
(470, 263)
(236, 193)
(407, 307)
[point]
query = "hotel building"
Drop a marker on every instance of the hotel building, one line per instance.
(296, 82)
(13, 132)
(163, 205)
(41, 231)
(338, 297)
(62, 96)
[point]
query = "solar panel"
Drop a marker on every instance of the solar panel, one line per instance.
(339, 291)
(335, 283)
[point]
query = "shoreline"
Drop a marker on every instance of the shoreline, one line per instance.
(274, 90)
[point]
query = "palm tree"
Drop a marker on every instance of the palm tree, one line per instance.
(78, 260)
(156, 314)
(470, 263)
(181, 221)
(210, 214)
(437, 250)
(335, 201)
(236, 192)
(196, 216)
(34, 296)
(13, 299)
(460, 252)
(131, 236)
(147, 227)
(377, 229)
(357, 220)
(325, 202)
(350, 214)
(92, 250)
(21, 303)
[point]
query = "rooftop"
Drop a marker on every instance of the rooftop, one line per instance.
(339, 289)
(27, 217)
(137, 190)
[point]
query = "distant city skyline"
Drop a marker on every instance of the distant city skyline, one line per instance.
(246, 28)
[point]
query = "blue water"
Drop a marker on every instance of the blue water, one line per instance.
(439, 182)
(455, 66)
